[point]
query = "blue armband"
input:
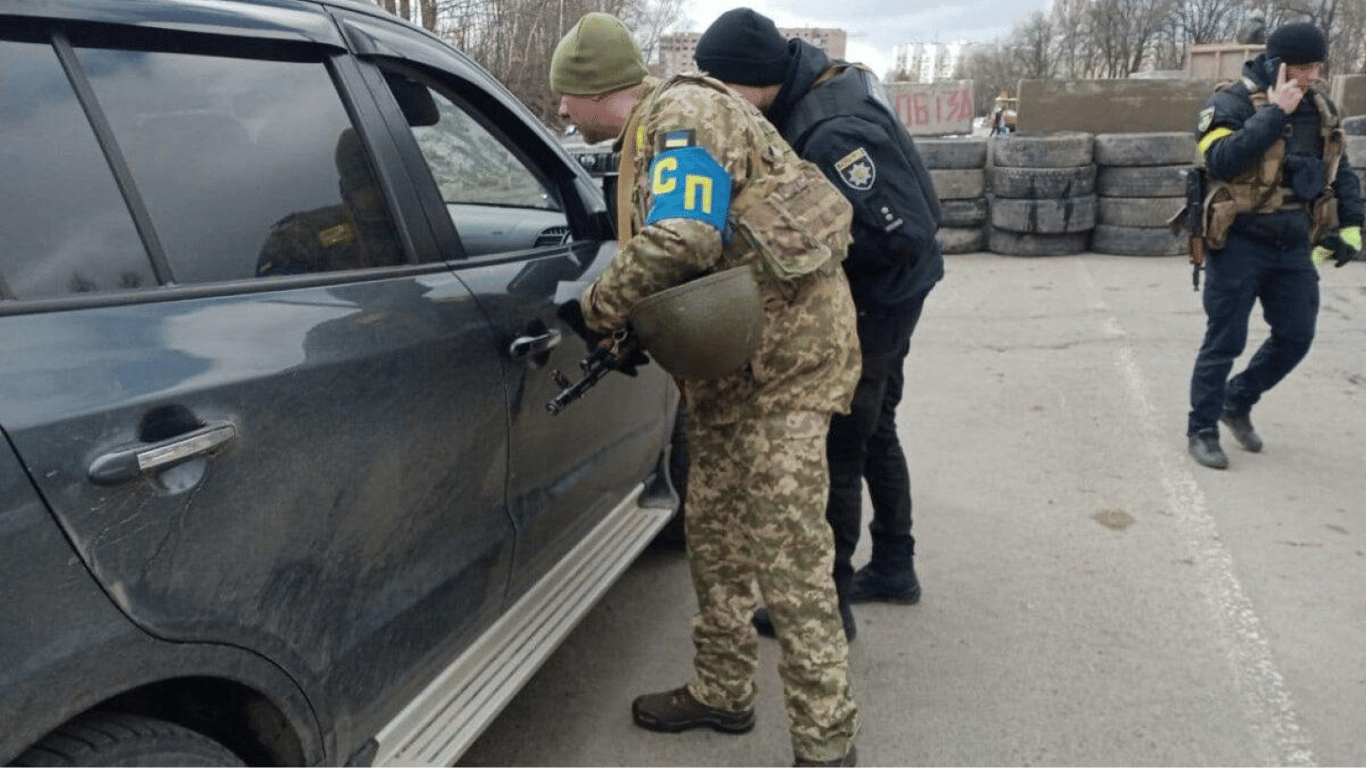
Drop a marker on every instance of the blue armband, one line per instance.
(686, 183)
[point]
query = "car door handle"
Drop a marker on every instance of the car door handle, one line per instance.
(127, 463)
(526, 346)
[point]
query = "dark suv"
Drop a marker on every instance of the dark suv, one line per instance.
(278, 483)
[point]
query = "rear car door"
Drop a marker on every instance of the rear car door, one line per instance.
(257, 401)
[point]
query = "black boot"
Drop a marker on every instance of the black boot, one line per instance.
(1204, 446)
(1240, 424)
(764, 623)
(886, 584)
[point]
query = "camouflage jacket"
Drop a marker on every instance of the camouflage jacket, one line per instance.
(808, 357)
(326, 239)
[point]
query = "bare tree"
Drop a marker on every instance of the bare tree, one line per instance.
(990, 69)
(514, 39)
(1033, 53)
(1342, 22)
(649, 20)
(1211, 21)
(1125, 32)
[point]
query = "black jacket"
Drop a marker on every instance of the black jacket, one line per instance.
(1254, 131)
(894, 258)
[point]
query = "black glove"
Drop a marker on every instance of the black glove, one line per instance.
(630, 356)
(1335, 248)
(571, 312)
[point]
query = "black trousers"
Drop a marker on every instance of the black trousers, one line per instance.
(1286, 283)
(863, 447)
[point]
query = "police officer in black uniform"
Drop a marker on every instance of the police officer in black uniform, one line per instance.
(836, 115)
(1280, 182)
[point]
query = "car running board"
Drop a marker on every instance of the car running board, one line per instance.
(442, 722)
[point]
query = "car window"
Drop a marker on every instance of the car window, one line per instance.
(64, 227)
(497, 200)
(248, 167)
(470, 164)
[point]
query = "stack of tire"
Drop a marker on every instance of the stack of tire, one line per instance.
(957, 170)
(1141, 183)
(1042, 199)
(1355, 129)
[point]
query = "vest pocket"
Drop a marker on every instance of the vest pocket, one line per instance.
(1220, 217)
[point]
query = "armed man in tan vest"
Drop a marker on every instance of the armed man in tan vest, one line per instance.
(707, 186)
(1280, 184)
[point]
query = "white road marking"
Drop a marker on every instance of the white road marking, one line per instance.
(1270, 709)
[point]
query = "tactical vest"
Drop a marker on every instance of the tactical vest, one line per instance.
(788, 214)
(1262, 188)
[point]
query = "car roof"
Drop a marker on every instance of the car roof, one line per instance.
(197, 15)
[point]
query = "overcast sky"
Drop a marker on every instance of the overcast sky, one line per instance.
(875, 27)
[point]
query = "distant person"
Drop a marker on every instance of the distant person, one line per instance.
(1280, 185)
(836, 115)
(353, 234)
(1002, 117)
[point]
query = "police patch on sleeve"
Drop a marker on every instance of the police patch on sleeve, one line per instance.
(687, 183)
(856, 169)
(1206, 117)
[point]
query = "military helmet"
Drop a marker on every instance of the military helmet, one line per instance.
(703, 329)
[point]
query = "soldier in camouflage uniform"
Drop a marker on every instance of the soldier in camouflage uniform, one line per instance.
(758, 481)
(355, 234)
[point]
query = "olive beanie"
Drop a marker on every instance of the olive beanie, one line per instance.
(743, 46)
(1298, 43)
(597, 56)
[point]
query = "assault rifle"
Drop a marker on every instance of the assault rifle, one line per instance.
(1195, 222)
(616, 352)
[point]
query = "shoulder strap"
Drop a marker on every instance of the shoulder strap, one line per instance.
(1333, 143)
(632, 137)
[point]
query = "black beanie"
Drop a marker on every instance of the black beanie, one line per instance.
(745, 47)
(1298, 43)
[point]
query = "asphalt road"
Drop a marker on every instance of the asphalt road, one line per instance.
(1092, 596)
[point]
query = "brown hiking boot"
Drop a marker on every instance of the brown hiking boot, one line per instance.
(677, 710)
(848, 758)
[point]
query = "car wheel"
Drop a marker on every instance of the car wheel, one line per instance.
(1045, 217)
(958, 183)
(1009, 243)
(1042, 183)
(1056, 150)
(1137, 241)
(678, 477)
(963, 213)
(1137, 211)
(1131, 149)
(1141, 180)
(117, 739)
(952, 153)
(960, 239)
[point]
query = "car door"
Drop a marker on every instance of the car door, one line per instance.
(263, 416)
(494, 168)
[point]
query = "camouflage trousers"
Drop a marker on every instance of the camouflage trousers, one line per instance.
(756, 529)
